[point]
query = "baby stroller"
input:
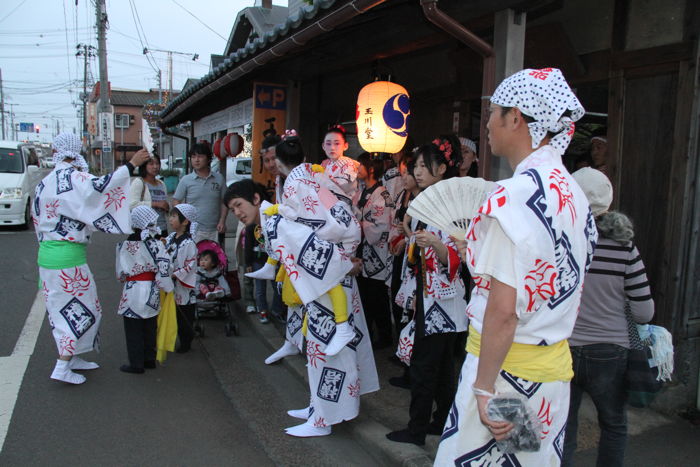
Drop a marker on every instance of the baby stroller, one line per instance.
(215, 307)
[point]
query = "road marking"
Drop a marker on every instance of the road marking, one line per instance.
(12, 368)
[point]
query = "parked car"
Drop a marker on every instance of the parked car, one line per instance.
(238, 168)
(16, 177)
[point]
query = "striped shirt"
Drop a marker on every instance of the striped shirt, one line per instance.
(616, 276)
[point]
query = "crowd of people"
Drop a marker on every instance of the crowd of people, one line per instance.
(356, 273)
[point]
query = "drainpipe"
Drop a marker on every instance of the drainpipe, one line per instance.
(455, 29)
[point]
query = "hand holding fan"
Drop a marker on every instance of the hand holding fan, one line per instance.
(450, 204)
(146, 139)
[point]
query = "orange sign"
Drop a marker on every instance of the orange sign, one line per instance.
(269, 117)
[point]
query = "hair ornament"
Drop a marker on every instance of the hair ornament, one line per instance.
(289, 134)
(446, 148)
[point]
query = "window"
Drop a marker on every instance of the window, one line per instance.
(244, 167)
(121, 120)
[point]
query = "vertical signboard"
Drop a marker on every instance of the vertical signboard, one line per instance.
(269, 115)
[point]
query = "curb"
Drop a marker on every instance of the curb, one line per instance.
(367, 431)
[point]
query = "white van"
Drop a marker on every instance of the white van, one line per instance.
(16, 182)
(238, 168)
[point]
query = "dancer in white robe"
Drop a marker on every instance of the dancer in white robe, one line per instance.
(527, 249)
(69, 205)
(314, 236)
(144, 267)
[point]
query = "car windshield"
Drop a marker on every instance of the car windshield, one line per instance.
(11, 161)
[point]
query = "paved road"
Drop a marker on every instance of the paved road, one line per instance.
(176, 414)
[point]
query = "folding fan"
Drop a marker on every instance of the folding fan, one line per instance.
(146, 139)
(450, 204)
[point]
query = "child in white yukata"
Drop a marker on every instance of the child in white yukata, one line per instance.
(144, 267)
(340, 168)
(211, 282)
(183, 254)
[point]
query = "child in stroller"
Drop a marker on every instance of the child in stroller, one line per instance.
(213, 290)
(211, 282)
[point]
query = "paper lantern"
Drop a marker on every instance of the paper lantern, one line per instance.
(216, 149)
(233, 144)
(382, 117)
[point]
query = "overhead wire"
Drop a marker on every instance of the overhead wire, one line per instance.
(144, 41)
(202, 22)
(13, 10)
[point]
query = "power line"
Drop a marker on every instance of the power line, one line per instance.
(13, 10)
(137, 22)
(202, 22)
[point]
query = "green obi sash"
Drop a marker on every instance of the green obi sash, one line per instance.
(60, 254)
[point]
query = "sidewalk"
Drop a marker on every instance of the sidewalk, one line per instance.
(654, 439)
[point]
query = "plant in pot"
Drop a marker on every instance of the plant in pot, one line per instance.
(170, 178)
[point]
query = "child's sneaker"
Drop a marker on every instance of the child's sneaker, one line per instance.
(263, 317)
(251, 309)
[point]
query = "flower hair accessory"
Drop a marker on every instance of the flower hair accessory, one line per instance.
(289, 134)
(446, 148)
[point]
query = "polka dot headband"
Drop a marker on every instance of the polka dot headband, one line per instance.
(543, 95)
(68, 146)
(145, 218)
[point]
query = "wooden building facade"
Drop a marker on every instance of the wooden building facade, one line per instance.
(633, 63)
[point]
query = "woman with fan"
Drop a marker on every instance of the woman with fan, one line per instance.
(435, 292)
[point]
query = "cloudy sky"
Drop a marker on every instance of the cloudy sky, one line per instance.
(42, 78)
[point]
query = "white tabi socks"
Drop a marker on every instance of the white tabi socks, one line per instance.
(77, 363)
(308, 430)
(299, 413)
(265, 272)
(344, 333)
(62, 372)
(285, 351)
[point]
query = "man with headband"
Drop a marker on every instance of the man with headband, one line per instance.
(69, 205)
(528, 249)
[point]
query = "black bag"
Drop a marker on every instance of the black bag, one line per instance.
(640, 378)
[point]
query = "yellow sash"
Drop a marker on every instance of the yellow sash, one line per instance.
(538, 363)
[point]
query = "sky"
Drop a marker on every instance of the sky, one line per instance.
(42, 78)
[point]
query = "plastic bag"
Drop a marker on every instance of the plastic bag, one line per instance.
(525, 435)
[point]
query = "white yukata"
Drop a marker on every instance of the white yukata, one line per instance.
(343, 172)
(141, 298)
(183, 255)
(337, 382)
(394, 184)
(443, 294)
(313, 236)
(375, 214)
(69, 205)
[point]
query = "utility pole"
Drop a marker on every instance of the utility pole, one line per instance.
(104, 109)
(2, 105)
(86, 51)
(170, 53)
